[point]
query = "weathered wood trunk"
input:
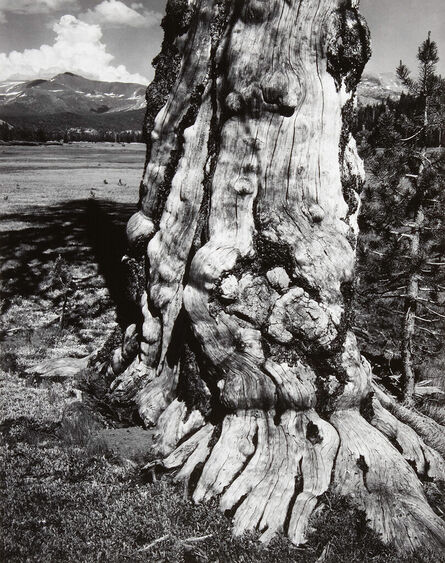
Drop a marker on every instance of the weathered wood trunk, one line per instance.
(411, 301)
(412, 290)
(243, 250)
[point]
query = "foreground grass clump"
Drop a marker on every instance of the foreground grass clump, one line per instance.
(20, 399)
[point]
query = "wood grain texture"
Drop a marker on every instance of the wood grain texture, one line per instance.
(248, 224)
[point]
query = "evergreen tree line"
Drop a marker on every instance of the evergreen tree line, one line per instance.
(43, 134)
(371, 122)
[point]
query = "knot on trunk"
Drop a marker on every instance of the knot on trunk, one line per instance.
(139, 228)
(255, 11)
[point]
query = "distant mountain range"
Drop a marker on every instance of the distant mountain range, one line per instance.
(375, 88)
(68, 100)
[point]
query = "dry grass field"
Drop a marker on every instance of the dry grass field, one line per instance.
(63, 207)
(48, 174)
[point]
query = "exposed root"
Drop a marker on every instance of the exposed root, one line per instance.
(59, 369)
(124, 354)
(234, 448)
(155, 397)
(380, 482)
(187, 456)
(124, 387)
(269, 475)
(432, 432)
(425, 460)
(173, 425)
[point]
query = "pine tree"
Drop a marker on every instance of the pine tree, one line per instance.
(427, 88)
(405, 213)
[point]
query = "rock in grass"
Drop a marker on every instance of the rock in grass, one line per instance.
(59, 369)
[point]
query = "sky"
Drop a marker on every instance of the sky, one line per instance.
(398, 27)
(117, 39)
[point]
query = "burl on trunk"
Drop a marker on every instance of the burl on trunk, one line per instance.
(243, 250)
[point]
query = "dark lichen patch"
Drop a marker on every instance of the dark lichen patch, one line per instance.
(366, 407)
(348, 46)
(331, 376)
(313, 433)
(352, 185)
(191, 387)
(216, 434)
(329, 388)
(217, 28)
(177, 18)
(166, 64)
(219, 22)
(363, 466)
(143, 188)
(292, 354)
(271, 254)
(134, 271)
(347, 289)
(347, 117)
(254, 301)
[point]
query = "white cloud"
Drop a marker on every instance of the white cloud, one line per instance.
(34, 6)
(115, 13)
(77, 48)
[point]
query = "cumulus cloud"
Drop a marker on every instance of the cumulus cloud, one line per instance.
(116, 14)
(34, 7)
(77, 48)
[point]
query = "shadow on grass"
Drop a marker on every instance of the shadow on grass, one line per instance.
(82, 232)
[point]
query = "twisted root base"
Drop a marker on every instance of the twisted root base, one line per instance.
(269, 473)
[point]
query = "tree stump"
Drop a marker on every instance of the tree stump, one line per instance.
(244, 247)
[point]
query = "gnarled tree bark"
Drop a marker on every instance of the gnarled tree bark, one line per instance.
(243, 254)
